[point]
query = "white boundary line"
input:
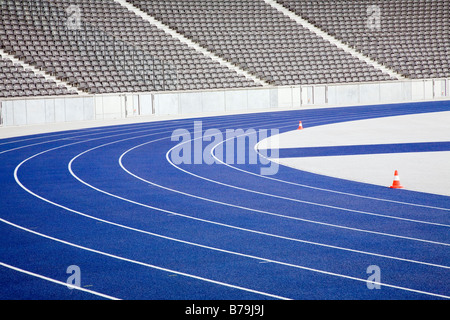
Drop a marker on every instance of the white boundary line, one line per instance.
(328, 190)
(202, 246)
(218, 282)
(244, 171)
(295, 200)
(128, 227)
(307, 202)
(138, 262)
(222, 250)
(50, 279)
(89, 132)
(335, 191)
(205, 199)
(231, 205)
(260, 211)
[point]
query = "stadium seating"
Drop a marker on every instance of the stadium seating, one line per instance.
(113, 50)
(258, 38)
(413, 37)
(15, 81)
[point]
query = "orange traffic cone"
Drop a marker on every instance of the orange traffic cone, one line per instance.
(396, 184)
(300, 127)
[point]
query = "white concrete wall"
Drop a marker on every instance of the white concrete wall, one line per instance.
(307, 96)
(144, 104)
(190, 103)
(320, 94)
(16, 112)
(109, 107)
(440, 88)
(213, 101)
(48, 110)
(285, 97)
(387, 92)
(197, 102)
(236, 100)
(167, 103)
(369, 93)
(258, 99)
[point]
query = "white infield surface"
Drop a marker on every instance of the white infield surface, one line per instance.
(418, 171)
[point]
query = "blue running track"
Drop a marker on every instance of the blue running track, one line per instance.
(138, 226)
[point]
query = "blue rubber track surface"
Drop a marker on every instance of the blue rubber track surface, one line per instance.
(110, 201)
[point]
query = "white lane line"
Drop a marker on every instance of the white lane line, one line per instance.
(46, 135)
(202, 246)
(231, 226)
(290, 199)
(270, 213)
(339, 208)
(141, 263)
(68, 209)
(225, 251)
(218, 202)
(109, 130)
(265, 212)
(258, 258)
(123, 127)
(329, 190)
(55, 281)
(241, 207)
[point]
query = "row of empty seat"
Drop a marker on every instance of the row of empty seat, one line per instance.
(15, 81)
(106, 48)
(258, 38)
(113, 50)
(411, 37)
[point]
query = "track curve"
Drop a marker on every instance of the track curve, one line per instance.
(139, 226)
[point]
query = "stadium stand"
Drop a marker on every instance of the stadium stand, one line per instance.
(262, 40)
(115, 50)
(413, 38)
(15, 81)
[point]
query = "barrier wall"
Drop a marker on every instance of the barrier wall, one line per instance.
(48, 110)
(17, 112)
